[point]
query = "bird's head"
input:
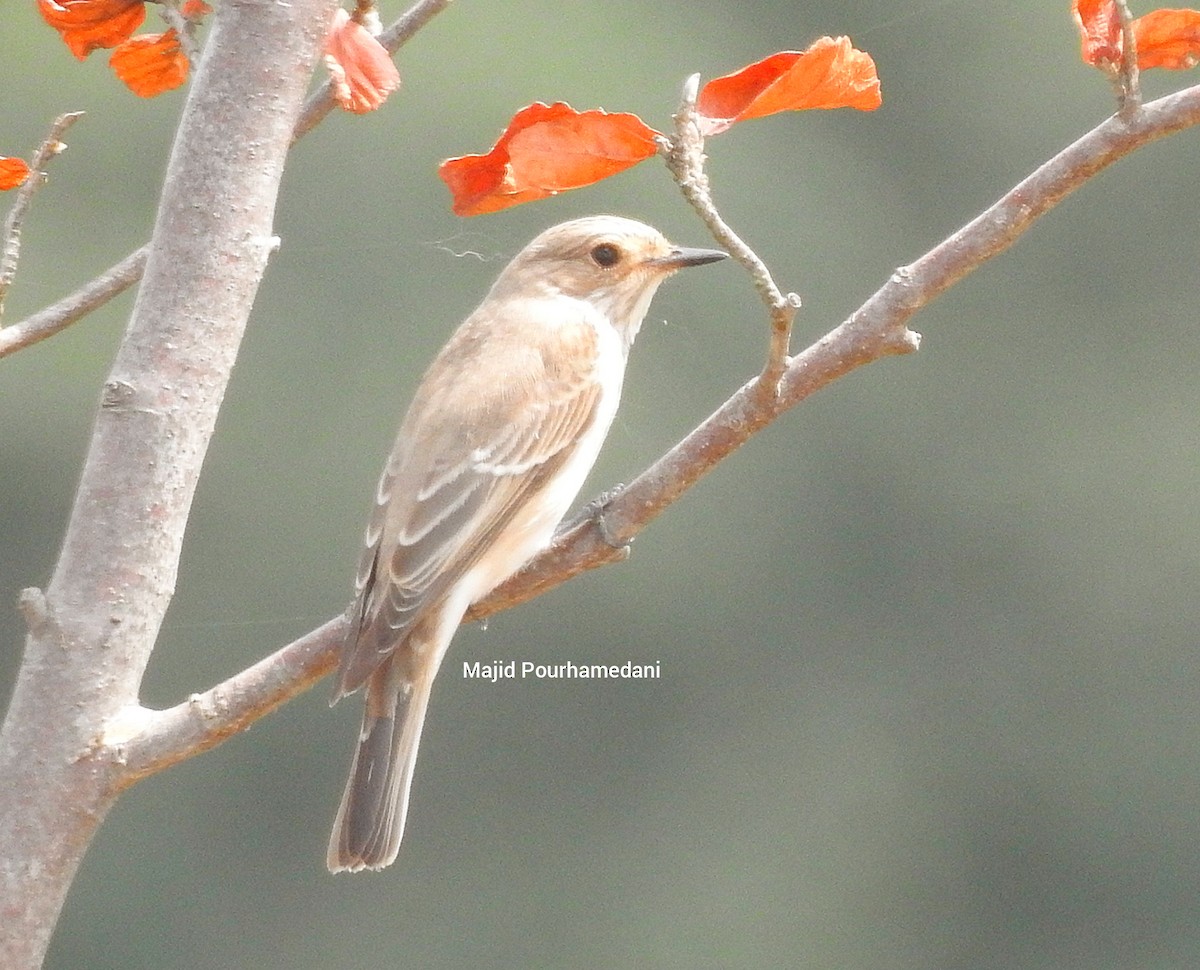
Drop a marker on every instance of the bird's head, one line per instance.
(614, 263)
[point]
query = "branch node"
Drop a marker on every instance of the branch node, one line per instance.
(35, 608)
(901, 341)
(770, 381)
(210, 705)
(119, 395)
(128, 723)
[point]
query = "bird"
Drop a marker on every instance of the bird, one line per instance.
(501, 433)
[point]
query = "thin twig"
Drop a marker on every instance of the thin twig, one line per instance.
(684, 155)
(1128, 79)
(50, 147)
(184, 27)
(49, 321)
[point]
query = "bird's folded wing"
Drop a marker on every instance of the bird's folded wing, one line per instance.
(470, 455)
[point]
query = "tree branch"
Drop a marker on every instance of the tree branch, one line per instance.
(46, 323)
(877, 329)
(601, 532)
(94, 630)
(148, 741)
(115, 280)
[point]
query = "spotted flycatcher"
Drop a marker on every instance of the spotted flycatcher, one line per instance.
(504, 427)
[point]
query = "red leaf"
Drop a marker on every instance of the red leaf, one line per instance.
(13, 171)
(830, 74)
(195, 9)
(1100, 31)
(1165, 38)
(150, 64)
(361, 71)
(1168, 39)
(546, 149)
(88, 24)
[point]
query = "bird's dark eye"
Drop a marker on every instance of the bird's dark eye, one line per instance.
(606, 255)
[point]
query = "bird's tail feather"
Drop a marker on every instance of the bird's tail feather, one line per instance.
(370, 820)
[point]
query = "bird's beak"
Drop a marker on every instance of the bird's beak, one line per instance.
(682, 256)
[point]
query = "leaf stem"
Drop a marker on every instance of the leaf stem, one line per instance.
(1128, 80)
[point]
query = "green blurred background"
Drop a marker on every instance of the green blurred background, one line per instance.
(928, 644)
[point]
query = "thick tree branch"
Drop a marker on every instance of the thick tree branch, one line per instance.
(603, 530)
(96, 626)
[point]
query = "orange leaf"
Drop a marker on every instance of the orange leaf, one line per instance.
(150, 64)
(1165, 38)
(13, 171)
(830, 74)
(1100, 31)
(195, 9)
(361, 72)
(546, 149)
(1168, 39)
(88, 24)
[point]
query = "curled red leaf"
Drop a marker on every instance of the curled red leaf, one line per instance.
(546, 149)
(1099, 32)
(88, 24)
(830, 74)
(361, 71)
(150, 64)
(1165, 38)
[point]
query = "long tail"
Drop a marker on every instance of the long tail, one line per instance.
(370, 821)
